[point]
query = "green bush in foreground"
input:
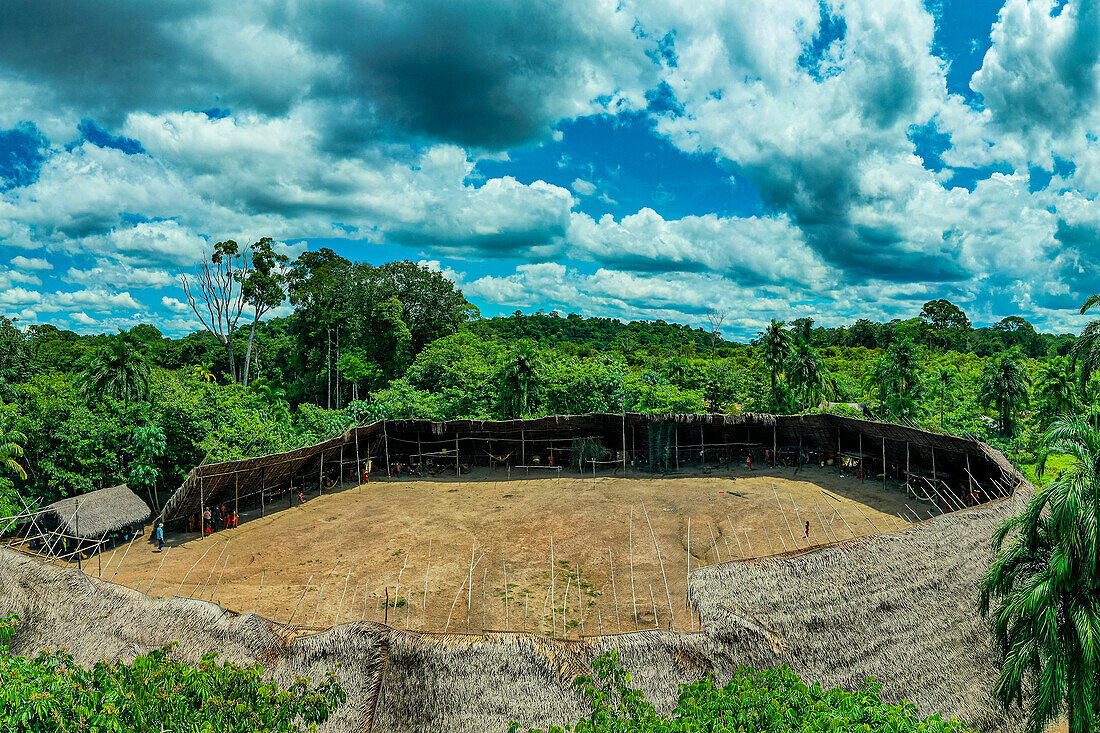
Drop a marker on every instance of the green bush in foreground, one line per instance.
(773, 700)
(153, 693)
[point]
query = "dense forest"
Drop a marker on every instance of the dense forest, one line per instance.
(79, 412)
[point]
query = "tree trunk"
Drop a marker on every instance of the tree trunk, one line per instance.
(232, 359)
(328, 365)
(248, 352)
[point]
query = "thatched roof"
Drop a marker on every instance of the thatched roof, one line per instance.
(96, 513)
(217, 483)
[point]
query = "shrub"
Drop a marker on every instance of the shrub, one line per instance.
(773, 700)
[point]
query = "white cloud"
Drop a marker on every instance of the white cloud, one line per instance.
(583, 188)
(120, 275)
(174, 305)
(83, 318)
(30, 263)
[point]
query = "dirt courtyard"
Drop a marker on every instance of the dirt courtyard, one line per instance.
(341, 555)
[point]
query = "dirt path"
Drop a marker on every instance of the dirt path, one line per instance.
(355, 543)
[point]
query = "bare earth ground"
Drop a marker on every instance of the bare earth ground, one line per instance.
(342, 553)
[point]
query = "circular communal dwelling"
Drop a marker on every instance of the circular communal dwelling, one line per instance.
(899, 604)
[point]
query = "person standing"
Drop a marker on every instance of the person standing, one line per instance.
(206, 523)
(160, 536)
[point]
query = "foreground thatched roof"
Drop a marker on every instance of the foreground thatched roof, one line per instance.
(901, 607)
(96, 513)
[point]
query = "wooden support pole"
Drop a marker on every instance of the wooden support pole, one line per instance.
(884, 464)
(236, 492)
(321, 476)
(358, 463)
(775, 445)
(458, 468)
(386, 446)
(970, 479)
(202, 512)
(862, 472)
(263, 489)
(523, 446)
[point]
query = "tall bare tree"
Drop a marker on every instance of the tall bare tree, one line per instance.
(263, 287)
(220, 299)
(715, 318)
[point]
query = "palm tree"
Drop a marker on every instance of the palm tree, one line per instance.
(809, 376)
(776, 346)
(1046, 582)
(119, 369)
(1056, 390)
(521, 380)
(1004, 386)
(945, 380)
(11, 449)
(895, 379)
(1085, 353)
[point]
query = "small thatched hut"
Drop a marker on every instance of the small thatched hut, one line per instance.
(96, 516)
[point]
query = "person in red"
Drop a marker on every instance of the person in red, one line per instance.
(748, 462)
(301, 498)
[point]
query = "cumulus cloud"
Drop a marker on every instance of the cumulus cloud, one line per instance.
(30, 263)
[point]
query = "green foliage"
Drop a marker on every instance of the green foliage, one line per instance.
(1004, 386)
(1043, 588)
(773, 700)
(155, 692)
(896, 381)
(521, 380)
(118, 370)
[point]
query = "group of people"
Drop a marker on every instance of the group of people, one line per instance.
(212, 521)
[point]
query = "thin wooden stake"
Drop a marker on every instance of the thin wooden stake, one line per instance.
(580, 607)
(630, 542)
(768, 537)
(212, 569)
(785, 521)
(470, 588)
(295, 611)
(714, 542)
(507, 615)
(553, 576)
(424, 611)
(258, 595)
(397, 590)
(123, 559)
(158, 570)
(565, 604)
(321, 593)
(346, 579)
(668, 595)
(188, 573)
(614, 591)
(654, 602)
(740, 550)
(220, 576)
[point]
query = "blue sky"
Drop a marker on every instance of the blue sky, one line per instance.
(836, 159)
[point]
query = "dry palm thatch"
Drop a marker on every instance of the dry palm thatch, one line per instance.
(99, 513)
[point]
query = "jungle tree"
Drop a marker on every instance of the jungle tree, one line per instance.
(775, 346)
(521, 380)
(1004, 386)
(119, 369)
(262, 287)
(219, 302)
(809, 376)
(895, 379)
(1056, 390)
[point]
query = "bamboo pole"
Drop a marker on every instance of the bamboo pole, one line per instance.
(614, 592)
(821, 517)
(304, 591)
(470, 588)
(256, 609)
(688, 549)
(321, 592)
(564, 604)
(542, 619)
(580, 606)
(553, 577)
(343, 595)
(484, 574)
(397, 590)
(668, 595)
(526, 600)
(835, 509)
(428, 567)
(799, 517)
(630, 542)
(165, 557)
(654, 602)
(507, 615)
(768, 538)
(780, 503)
(127, 552)
(211, 574)
(740, 550)
(714, 542)
(220, 576)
